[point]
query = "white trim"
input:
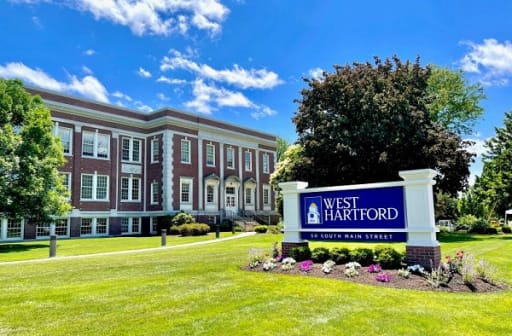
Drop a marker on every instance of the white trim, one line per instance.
(190, 203)
(152, 149)
(167, 174)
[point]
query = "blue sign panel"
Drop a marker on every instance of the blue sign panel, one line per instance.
(378, 208)
(356, 236)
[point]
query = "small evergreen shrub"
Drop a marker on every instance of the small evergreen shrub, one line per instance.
(340, 255)
(260, 229)
(320, 254)
(174, 230)
(364, 256)
(506, 229)
(194, 229)
(182, 218)
(273, 229)
(388, 257)
(300, 253)
(479, 226)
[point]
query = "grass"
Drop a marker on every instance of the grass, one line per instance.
(201, 290)
(68, 247)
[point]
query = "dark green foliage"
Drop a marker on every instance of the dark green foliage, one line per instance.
(300, 253)
(479, 226)
(182, 218)
(340, 255)
(174, 230)
(194, 229)
(445, 206)
(364, 256)
(506, 229)
(320, 254)
(273, 229)
(388, 257)
(260, 229)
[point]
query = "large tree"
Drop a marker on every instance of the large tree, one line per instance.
(365, 122)
(30, 156)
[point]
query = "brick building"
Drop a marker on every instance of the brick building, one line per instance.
(125, 169)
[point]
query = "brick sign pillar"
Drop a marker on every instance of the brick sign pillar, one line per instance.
(291, 216)
(422, 246)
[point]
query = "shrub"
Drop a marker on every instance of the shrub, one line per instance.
(174, 230)
(260, 229)
(300, 253)
(479, 226)
(194, 229)
(506, 229)
(273, 229)
(340, 255)
(491, 230)
(320, 254)
(364, 256)
(388, 257)
(182, 218)
(466, 220)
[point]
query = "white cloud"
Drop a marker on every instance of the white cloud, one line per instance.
(157, 17)
(478, 147)
(87, 70)
(316, 73)
(90, 52)
(37, 22)
(491, 60)
(263, 111)
(237, 76)
(119, 94)
(142, 107)
(167, 80)
(88, 86)
(143, 73)
(162, 96)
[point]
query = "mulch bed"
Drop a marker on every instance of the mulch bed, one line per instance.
(415, 282)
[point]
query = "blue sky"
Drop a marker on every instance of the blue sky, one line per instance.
(242, 61)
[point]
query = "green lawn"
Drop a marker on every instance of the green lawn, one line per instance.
(200, 290)
(68, 247)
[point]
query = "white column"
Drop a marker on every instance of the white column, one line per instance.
(167, 174)
(291, 206)
(200, 177)
(221, 189)
(3, 228)
(419, 202)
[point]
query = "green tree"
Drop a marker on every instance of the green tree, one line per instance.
(365, 122)
(30, 156)
(282, 146)
(455, 104)
(445, 206)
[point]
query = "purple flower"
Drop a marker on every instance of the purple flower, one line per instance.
(383, 277)
(374, 268)
(306, 265)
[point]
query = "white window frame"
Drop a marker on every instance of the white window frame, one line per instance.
(10, 226)
(267, 197)
(96, 153)
(210, 155)
(63, 130)
(133, 194)
(230, 158)
(153, 224)
(43, 229)
(185, 151)
(94, 226)
(155, 193)
(249, 192)
(248, 161)
(131, 150)
(68, 184)
(266, 163)
(186, 205)
(155, 150)
(95, 188)
(129, 225)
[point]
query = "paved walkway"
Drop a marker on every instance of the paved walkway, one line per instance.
(152, 249)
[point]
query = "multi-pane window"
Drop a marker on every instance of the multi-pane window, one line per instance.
(248, 161)
(93, 226)
(130, 225)
(95, 145)
(131, 150)
(153, 224)
(185, 151)
(155, 150)
(155, 192)
(266, 163)
(210, 194)
(248, 195)
(94, 187)
(230, 157)
(65, 135)
(66, 182)
(266, 195)
(130, 189)
(210, 155)
(14, 229)
(185, 192)
(61, 228)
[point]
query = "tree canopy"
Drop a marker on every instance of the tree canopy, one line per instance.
(365, 122)
(30, 156)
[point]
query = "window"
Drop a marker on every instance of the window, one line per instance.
(210, 155)
(65, 135)
(186, 193)
(94, 187)
(230, 158)
(95, 145)
(266, 163)
(130, 225)
(185, 151)
(210, 194)
(266, 196)
(93, 226)
(155, 150)
(131, 150)
(14, 229)
(155, 192)
(248, 195)
(130, 188)
(248, 161)
(66, 182)
(153, 224)
(61, 228)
